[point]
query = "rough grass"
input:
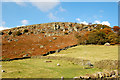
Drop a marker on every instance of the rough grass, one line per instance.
(38, 68)
(91, 52)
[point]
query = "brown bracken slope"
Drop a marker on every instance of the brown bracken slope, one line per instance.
(38, 39)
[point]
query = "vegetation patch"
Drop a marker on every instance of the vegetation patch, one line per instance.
(107, 64)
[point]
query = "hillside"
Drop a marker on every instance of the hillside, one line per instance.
(74, 62)
(39, 39)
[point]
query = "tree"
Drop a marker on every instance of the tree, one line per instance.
(92, 38)
(116, 28)
(96, 37)
(81, 37)
(106, 30)
(113, 38)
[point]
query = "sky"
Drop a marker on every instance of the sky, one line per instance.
(15, 14)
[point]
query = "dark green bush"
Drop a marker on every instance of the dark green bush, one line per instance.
(42, 31)
(25, 31)
(1, 33)
(31, 32)
(9, 32)
(66, 33)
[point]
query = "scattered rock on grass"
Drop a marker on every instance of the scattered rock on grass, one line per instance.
(62, 78)
(48, 61)
(58, 64)
(3, 70)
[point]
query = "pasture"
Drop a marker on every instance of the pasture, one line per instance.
(39, 68)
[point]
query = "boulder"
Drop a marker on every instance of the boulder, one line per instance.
(95, 75)
(100, 74)
(50, 40)
(16, 40)
(113, 76)
(58, 64)
(116, 72)
(75, 78)
(113, 72)
(33, 49)
(107, 44)
(62, 78)
(54, 38)
(89, 64)
(84, 77)
(9, 40)
(58, 50)
(26, 55)
(2, 70)
(41, 46)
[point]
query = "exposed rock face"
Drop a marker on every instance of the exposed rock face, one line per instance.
(48, 27)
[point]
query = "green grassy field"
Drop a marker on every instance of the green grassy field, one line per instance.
(91, 52)
(38, 68)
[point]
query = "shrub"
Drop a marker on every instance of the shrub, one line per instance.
(113, 38)
(31, 32)
(66, 33)
(92, 38)
(1, 33)
(9, 32)
(82, 39)
(42, 31)
(106, 30)
(6, 59)
(96, 37)
(116, 28)
(18, 33)
(25, 31)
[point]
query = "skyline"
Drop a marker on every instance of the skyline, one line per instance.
(15, 14)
